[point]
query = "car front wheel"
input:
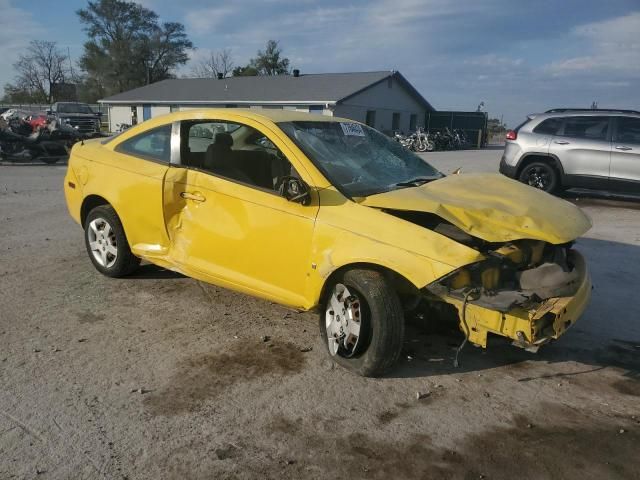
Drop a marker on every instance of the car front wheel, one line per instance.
(362, 322)
(540, 175)
(107, 244)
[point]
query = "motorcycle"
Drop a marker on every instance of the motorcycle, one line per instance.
(422, 142)
(47, 143)
(32, 147)
(418, 141)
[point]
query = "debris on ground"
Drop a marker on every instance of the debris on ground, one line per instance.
(422, 395)
(141, 391)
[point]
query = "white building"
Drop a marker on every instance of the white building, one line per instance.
(384, 100)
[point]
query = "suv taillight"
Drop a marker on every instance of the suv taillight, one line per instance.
(512, 135)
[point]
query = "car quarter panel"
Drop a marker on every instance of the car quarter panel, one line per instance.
(133, 186)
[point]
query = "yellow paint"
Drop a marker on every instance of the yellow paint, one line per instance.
(259, 243)
(492, 207)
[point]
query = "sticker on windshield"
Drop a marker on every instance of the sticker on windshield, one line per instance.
(352, 129)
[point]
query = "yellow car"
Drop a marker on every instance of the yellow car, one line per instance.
(320, 212)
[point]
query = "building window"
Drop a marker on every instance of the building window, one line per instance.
(231, 105)
(413, 118)
(316, 109)
(395, 122)
(371, 118)
(174, 108)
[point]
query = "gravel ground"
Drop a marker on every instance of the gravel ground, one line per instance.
(160, 376)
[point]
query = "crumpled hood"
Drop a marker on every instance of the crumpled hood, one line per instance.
(491, 207)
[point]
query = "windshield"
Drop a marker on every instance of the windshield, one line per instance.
(73, 108)
(359, 160)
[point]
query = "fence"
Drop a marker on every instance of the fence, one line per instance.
(474, 124)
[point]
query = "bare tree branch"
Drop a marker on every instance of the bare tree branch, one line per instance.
(42, 65)
(220, 62)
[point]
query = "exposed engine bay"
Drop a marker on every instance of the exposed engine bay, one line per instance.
(519, 273)
(527, 279)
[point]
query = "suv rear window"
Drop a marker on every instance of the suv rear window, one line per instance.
(550, 126)
(594, 128)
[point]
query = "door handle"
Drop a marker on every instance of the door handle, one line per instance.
(623, 148)
(561, 142)
(192, 196)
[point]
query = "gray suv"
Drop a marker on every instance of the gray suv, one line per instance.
(572, 148)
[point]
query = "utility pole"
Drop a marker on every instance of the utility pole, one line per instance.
(70, 62)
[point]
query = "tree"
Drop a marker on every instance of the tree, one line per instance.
(216, 63)
(43, 65)
(268, 62)
(247, 71)
(128, 47)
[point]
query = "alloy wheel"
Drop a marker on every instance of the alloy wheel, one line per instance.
(539, 177)
(343, 321)
(102, 242)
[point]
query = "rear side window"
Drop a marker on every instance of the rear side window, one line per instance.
(628, 130)
(592, 128)
(154, 144)
(550, 126)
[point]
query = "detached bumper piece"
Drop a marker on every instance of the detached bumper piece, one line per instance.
(535, 306)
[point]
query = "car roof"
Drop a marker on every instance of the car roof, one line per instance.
(273, 115)
(581, 113)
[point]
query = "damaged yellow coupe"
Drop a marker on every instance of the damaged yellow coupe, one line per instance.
(325, 213)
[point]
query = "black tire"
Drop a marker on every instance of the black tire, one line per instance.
(125, 261)
(382, 323)
(541, 175)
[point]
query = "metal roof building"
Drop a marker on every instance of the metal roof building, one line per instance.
(384, 99)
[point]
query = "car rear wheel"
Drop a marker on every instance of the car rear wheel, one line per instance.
(107, 244)
(540, 175)
(362, 322)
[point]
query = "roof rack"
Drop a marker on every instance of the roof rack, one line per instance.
(561, 110)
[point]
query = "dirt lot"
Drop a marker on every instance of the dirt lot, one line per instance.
(160, 376)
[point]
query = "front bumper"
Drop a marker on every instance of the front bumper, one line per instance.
(528, 328)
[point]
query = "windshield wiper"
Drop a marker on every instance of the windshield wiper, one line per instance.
(416, 182)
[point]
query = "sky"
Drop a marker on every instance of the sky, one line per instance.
(518, 57)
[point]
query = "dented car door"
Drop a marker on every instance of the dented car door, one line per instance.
(238, 235)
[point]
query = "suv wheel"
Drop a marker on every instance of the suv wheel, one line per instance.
(540, 175)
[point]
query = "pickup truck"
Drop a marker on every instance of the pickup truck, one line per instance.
(78, 115)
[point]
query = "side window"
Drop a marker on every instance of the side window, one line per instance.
(234, 151)
(154, 144)
(550, 126)
(628, 130)
(592, 128)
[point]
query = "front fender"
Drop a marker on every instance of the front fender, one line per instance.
(335, 248)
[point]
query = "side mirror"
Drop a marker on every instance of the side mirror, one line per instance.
(295, 190)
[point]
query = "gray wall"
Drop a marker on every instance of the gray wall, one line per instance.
(385, 101)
